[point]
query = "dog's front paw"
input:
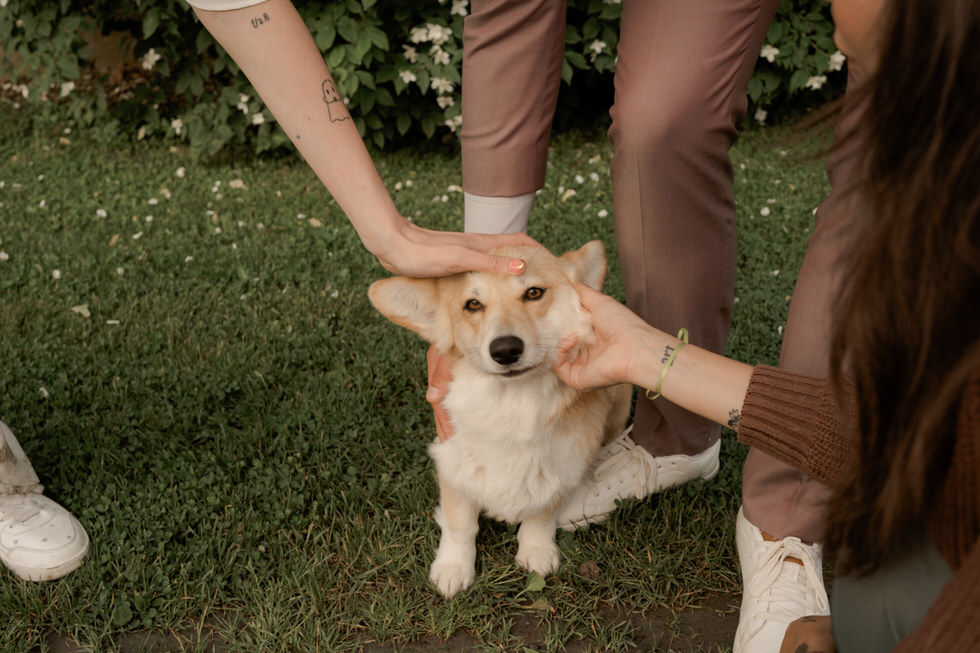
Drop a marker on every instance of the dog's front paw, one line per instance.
(451, 575)
(543, 559)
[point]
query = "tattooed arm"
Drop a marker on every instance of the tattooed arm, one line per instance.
(271, 44)
(809, 635)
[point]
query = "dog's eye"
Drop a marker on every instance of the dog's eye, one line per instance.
(472, 306)
(533, 294)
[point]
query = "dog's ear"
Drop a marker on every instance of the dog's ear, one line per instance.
(413, 304)
(587, 264)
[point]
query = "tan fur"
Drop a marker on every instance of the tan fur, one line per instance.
(522, 439)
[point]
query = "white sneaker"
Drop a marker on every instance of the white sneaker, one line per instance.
(775, 592)
(625, 470)
(39, 540)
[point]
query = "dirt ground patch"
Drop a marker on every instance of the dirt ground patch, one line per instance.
(709, 628)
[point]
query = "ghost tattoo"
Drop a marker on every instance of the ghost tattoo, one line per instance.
(335, 106)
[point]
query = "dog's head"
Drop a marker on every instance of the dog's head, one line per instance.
(503, 325)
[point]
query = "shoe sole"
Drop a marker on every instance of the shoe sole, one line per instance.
(36, 575)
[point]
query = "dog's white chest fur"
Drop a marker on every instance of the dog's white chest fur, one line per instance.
(508, 454)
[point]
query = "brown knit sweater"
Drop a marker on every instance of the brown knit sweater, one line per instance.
(794, 418)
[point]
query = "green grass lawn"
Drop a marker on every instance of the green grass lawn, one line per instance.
(188, 356)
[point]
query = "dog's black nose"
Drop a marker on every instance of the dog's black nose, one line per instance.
(507, 349)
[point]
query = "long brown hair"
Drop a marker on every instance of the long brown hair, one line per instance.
(908, 316)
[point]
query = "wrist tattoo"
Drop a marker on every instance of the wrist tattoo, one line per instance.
(258, 21)
(668, 350)
(733, 417)
(335, 106)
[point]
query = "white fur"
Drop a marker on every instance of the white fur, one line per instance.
(520, 443)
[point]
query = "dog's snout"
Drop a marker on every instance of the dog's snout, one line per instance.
(506, 349)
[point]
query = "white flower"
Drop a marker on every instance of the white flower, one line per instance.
(453, 124)
(760, 115)
(439, 55)
(148, 218)
(4, 256)
(242, 106)
(181, 172)
(153, 201)
(258, 118)
(42, 204)
(188, 259)
(55, 274)
(579, 179)
(442, 85)
(764, 211)
(177, 124)
(410, 53)
(836, 61)
(769, 53)
(67, 88)
(594, 176)
(418, 35)
(612, 2)
(445, 101)
(815, 82)
(459, 8)
(3, 3)
(237, 184)
(150, 59)
(120, 271)
(101, 213)
(137, 235)
(141, 133)
(407, 76)
(44, 392)
(603, 213)
(438, 34)
(597, 47)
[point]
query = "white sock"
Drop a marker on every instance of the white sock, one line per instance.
(496, 215)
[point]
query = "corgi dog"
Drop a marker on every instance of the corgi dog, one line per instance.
(522, 440)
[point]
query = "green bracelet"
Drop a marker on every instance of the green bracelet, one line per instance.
(682, 335)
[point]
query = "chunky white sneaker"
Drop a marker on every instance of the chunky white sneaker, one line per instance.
(775, 591)
(39, 540)
(625, 470)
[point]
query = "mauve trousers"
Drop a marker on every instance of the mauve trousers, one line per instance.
(680, 82)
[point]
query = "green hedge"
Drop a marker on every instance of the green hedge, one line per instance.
(397, 64)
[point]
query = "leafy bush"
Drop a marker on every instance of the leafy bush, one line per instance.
(396, 64)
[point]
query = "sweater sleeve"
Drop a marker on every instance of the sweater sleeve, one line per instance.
(794, 418)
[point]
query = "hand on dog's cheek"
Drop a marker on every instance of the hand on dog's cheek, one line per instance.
(440, 374)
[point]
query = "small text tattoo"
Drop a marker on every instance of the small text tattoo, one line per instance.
(808, 619)
(260, 20)
(335, 106)
(802, 648)
(733, 416)
(668, 350)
